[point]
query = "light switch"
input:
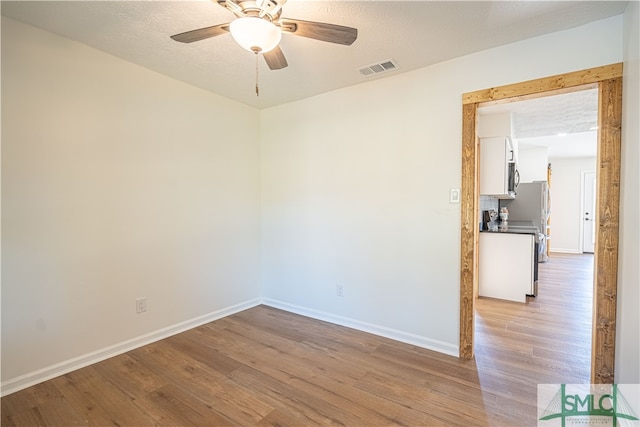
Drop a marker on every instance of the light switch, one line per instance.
(454, 195)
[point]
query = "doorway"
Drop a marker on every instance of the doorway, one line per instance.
(559, 131)
(608, 80)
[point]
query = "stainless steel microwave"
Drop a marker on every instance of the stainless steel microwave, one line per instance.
(514, 179)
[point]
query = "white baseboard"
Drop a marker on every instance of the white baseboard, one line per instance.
(405, 337)
(27, 380)
(565, 251)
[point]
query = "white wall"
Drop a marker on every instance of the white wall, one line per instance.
(356, 184)
(566, 203)
(117, 183)
(532, 163)
(627, 369)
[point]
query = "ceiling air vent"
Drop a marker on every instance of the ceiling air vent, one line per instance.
(381, 67)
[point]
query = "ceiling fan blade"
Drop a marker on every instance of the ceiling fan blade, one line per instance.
(331, 33)
(201, 33)
(275, 59)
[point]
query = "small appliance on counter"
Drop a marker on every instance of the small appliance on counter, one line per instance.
(504, 214)
(489, 218)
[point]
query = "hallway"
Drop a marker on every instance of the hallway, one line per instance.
(545, 341)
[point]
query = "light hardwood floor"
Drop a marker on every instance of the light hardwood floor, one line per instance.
(265, 366)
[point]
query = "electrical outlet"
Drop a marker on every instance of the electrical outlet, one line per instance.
(141, 305)
(340, 290)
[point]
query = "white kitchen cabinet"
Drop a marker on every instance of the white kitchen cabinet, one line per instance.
(506, 265)
(496, 154)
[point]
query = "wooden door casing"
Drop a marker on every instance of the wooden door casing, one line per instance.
(608, 80)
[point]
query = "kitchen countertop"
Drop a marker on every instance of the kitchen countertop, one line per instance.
(512, 227)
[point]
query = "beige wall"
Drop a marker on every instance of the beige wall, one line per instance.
(628, 327)
(117, 183)
(355, 187)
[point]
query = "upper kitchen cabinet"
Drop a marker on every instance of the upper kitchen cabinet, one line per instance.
(497, 124)
(498, 171)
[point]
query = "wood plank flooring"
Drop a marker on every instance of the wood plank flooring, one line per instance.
(265, 367)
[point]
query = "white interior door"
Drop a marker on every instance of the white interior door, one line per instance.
(589, 212)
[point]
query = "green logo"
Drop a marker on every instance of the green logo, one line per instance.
(588, 404)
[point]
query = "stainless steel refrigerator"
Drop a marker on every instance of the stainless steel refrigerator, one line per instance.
(532, 203)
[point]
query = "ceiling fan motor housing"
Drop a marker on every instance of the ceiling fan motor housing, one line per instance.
(265, 9)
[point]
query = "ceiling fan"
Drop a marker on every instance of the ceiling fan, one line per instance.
(259, 27)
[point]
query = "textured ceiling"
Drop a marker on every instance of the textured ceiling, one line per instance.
(413, 33)
(564, 123)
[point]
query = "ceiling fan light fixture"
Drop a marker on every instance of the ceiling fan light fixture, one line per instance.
(255, 34)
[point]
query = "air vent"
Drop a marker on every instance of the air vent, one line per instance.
(382, 67)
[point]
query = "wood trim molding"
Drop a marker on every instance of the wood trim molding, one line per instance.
(546, 84)
(608, 79)
(607, 213)
(469, 226)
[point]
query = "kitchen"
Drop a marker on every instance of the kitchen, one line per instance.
(515, 198)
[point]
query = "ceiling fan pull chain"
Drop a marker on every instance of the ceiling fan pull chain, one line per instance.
(257, 87)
